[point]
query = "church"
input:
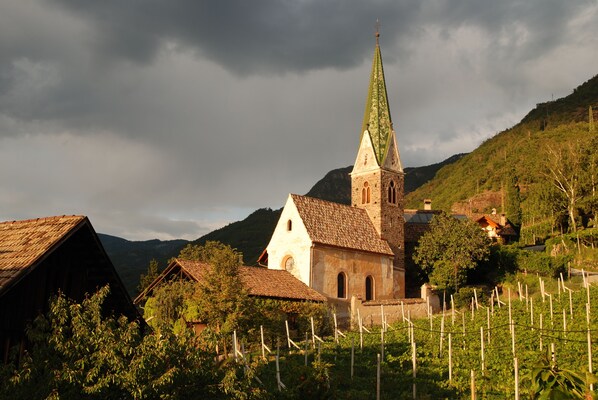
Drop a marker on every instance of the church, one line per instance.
(358, 250)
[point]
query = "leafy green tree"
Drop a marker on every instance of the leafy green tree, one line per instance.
(513, 197)
(152, 273)
(221, 299)
(449, 249)
(566, 169)
(168, 307)
(77, 351)
(551, 382)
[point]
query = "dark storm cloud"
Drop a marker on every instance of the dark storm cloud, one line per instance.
(245, 36)
(268, 36)
(158, 117)
(72, 66)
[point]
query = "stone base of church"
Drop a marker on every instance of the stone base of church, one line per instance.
(373, 312)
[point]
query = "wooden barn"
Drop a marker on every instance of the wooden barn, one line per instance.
(40, 257)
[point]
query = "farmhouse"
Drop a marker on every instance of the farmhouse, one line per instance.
(498, 228)
(44, 256)
(260, 282)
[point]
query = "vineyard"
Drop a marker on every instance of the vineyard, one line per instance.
(446, 355)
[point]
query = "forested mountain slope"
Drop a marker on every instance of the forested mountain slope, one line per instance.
(518, 158)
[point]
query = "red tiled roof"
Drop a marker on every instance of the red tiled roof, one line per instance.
(262, 282)
(23, 243)
(489, 220)
(339, 225)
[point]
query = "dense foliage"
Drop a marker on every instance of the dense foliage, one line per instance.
(449, 249)
(79, 352)
(523, 165)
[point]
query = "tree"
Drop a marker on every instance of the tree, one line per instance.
(221, 299)
(513, 197)
(565, 169)
(450, 248)
(168, 307)
(77, 351)
(146, 279)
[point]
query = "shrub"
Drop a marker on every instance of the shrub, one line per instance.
(463, 297)
(542, 264)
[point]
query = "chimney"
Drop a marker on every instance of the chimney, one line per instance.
(503, 219)
(494, 211)
(427, 204)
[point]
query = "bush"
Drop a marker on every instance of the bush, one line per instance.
(463, 297)
(542, 264)
(501, 262)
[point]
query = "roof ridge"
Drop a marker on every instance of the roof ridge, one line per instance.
(324, 201)
(43, 219)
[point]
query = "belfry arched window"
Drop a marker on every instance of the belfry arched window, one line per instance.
(369, 288)
(392, 193)
(365, 193)
(341, 285)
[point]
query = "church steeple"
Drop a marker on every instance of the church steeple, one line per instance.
(377, 122)
(377, 179)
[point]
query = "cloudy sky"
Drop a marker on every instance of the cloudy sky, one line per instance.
(167, 119)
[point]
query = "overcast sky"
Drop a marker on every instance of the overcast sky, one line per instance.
(167, 119)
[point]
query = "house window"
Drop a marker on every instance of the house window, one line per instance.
(369, 288)
(341, 283)
(289, 225)
(392, 193)
(365, 193)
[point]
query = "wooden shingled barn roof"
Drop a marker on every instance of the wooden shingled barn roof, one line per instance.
(24, 243)
(339, 225)
(259, 281)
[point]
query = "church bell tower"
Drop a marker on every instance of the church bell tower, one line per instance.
(377, 179)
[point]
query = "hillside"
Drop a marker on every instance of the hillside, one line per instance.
(250, 236)
(131, 258)
(476, 182)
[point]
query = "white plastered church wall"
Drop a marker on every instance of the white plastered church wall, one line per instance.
(293, 243)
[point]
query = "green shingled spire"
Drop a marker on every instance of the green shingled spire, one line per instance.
(376, 119)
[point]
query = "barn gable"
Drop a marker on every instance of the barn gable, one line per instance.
(44, 256)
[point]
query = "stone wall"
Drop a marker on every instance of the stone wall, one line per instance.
(329, 261)
(394, 309)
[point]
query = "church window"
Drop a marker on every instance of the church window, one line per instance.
(288, 263)
(365, 193)
(369, 288)
(289, 225)
(392, 193)
(341, 283)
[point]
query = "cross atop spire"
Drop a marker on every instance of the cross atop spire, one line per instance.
(377, 31)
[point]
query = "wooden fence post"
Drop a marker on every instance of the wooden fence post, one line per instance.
(378, 378)
(516, 367)
(414, 368)
(352, 355)
(450, 346)
(589, 344)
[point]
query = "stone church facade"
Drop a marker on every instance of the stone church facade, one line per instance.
(358, 250)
